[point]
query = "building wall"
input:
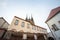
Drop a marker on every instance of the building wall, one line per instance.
(32, 29)
(50, 35)
(52, 21)
(3, 26)
(3, 23)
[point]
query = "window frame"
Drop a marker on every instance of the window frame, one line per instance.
(54, 27)
(28, 25)
(34, 28)
(16, 22)
(22, 24)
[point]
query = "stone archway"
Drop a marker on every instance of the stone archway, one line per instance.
(50, 38)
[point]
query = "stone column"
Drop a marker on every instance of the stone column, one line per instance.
(24, 36)
(35, 37)
(45, 37)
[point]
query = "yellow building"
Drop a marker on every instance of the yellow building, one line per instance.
(26, 29)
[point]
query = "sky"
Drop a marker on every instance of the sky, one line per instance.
(39, 9)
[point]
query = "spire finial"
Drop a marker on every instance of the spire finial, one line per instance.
(26, 17)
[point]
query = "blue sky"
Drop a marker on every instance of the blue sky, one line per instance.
(39, 9)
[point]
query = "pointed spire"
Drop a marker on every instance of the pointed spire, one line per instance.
(26, 18)
(32, 19)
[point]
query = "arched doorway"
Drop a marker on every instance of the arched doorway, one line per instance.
(50, 38)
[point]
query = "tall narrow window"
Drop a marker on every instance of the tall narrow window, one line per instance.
(16, 22)
(23, 24)
(54, 27)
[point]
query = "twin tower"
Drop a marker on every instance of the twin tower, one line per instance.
(30, 19)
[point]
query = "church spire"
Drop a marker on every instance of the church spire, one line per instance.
(26, 18)
(32, 19)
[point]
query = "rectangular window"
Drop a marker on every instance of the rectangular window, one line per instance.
(59, 22)
(23, 24)
(54, 27)
(16, 22)
(34, 28)
(28, 26)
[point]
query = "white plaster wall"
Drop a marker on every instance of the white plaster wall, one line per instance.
(49, 34)
(52, 21)
(57, 33)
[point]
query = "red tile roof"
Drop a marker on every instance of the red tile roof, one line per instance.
(53, 13)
